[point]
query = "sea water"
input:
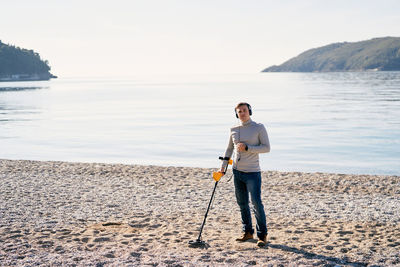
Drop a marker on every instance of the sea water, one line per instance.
(345, 122)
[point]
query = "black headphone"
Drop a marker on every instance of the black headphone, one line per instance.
(248, 106)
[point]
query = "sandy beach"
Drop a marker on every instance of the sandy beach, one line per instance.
(81, 214)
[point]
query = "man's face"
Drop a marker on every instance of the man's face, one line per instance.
(243, 113)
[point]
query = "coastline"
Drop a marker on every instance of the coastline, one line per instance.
(115, 214)
(27, 77)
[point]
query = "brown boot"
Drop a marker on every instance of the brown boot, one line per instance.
(245, 236)
(262, 241)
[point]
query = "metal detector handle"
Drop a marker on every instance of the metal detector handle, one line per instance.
(218, 175)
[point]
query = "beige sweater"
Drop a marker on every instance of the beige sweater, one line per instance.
(255, 136)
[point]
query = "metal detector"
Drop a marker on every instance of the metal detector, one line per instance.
(198, 243)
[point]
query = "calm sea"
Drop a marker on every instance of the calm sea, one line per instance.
(325, 122)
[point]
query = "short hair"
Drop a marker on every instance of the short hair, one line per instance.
(242, 104)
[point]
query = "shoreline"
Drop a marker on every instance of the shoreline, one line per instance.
(166, 165)
(68, 213)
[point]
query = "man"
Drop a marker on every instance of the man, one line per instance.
(248, 140)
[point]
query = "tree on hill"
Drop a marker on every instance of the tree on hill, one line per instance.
(19, 61)
(382, 54)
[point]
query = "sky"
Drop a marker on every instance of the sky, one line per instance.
(131, 37)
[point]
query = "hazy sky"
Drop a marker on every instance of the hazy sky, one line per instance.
(128, 37)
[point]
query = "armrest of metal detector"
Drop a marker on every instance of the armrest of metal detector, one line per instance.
(218, 175)
(228, 159)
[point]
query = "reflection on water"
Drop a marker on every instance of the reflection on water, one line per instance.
(8, 89)
(19, 110)
(329, 122)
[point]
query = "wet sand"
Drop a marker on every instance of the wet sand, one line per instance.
(58, 213)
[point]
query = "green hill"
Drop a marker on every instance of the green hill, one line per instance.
(17, 64)
(378, 54)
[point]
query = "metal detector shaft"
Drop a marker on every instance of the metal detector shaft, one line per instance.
(208, 208)
(212, 195)
(216, 176)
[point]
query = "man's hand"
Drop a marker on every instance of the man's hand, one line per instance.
(222, 170)
(241, 147)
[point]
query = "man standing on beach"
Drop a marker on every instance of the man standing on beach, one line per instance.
(248, 139)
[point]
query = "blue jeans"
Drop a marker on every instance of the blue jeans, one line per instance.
(245, 183)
